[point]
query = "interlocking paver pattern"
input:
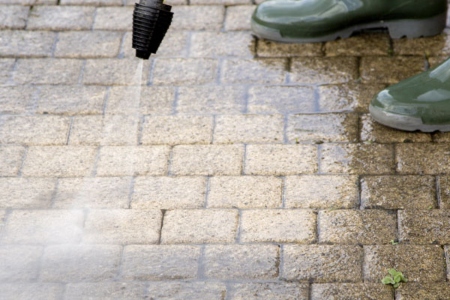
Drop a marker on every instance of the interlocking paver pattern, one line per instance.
(225, 167)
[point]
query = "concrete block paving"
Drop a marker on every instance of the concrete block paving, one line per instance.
(226, 167)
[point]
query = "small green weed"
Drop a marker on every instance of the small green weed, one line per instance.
(395, 278)
(394, 242)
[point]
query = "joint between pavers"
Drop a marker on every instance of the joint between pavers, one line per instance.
(438, 192)
(285, 129)
(163, 215)
(360, 205)
(220, 64)
(140, 129)
(207, 190)
(150, 72)
(22, 164)
(106, 100)
(201, 264)
(283, 191)
(176, 96)
(170, 161)
(95, 165)
(94, 17)
(81, 76)
(213, 128)
(246, 99)
(55, 191)
(70, 130)
(131, 191)
(119, 274)
(122, 45)
(55, 42)
(244, 158)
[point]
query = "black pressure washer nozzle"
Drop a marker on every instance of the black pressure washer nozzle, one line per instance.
(151, 20)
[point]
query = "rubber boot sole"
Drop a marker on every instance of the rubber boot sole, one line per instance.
(397, 29)
(405, 123)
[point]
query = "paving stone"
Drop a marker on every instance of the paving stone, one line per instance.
(435, 61)
(34, 130)
(19, 263)
(210, 100)
(248, 129)
(74, 263)
(156, 262)
(114, 18)
(199, 226)
(418, 263)
(131, 161)
(11, 158)
(208, 17)
(321, 192)
(61, 18)
(59, 161)
(371, 131)
(184, 71)
(428, 46)
(424, 226)
(92, 2)
(187, 290)
(266, 48)
(365, 227)
(335, 291)
(254, 71)
(415, 158)
(168, 192)
(134, 100)
(207, 160)
(117, 130)
(122, 226)
(241, 261)
(71, 100)
(322, 128)
(271, 290)
(389, 69)
(110, 193)
(223, 2)
(418, 291)
(88, 44)
(322, 263)
(398, 192)
(238, 17)
(29, 2)
(361, 45)
(357, 158)
(105, 290)
(444, 192)
(114, 72)
(13, 16)
(244, 192)
(36, 291)
(51, 71)
(213, 44)
(174, 44)
(26, 192)
(17, 99)
(330, 70)
(173, 130)
(441, 137)
(43, 227)
(26, 43)
(278, 225)
(6, 70)
(347, 97)
(280, 159)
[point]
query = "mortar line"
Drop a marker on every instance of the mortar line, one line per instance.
(244, 158)
(55, 41)
(239, 226)
(176, 96)
(319, 160)
(213, 128)
(36, 95)
(244, 109)
(316, 96)
(55, 191)
(10, 80)
(131, 190)
(170, 161)
(281, 265)
(106, 100)
(150, 72)
(122, 45)
(81, 76)
(95, 165)
(94, 17)
(225, 13)
(40, 264)
(201, 264)
(438, 191)
(69, 132)
(28, 16)
(207, 190)
(140, 129)
(119, 274)
(360, 205)
(285, 129)
(22, 164)
(163, 215)
(219, 74)
(317, 227)
(310, 291)
(283, 191)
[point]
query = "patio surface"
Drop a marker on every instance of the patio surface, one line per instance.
(229, 168)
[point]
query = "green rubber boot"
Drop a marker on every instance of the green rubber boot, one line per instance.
(420, 103)
(306, 21)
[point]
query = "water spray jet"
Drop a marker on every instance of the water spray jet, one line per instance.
(151, 20)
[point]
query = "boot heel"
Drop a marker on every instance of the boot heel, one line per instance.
(417, 28)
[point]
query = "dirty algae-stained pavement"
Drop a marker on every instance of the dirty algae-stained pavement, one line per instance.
(235, 169)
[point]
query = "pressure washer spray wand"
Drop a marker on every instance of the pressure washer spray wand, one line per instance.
(151, 20)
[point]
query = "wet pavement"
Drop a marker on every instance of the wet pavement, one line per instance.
(225, 167)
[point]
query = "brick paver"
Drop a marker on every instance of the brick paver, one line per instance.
(226, 167)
